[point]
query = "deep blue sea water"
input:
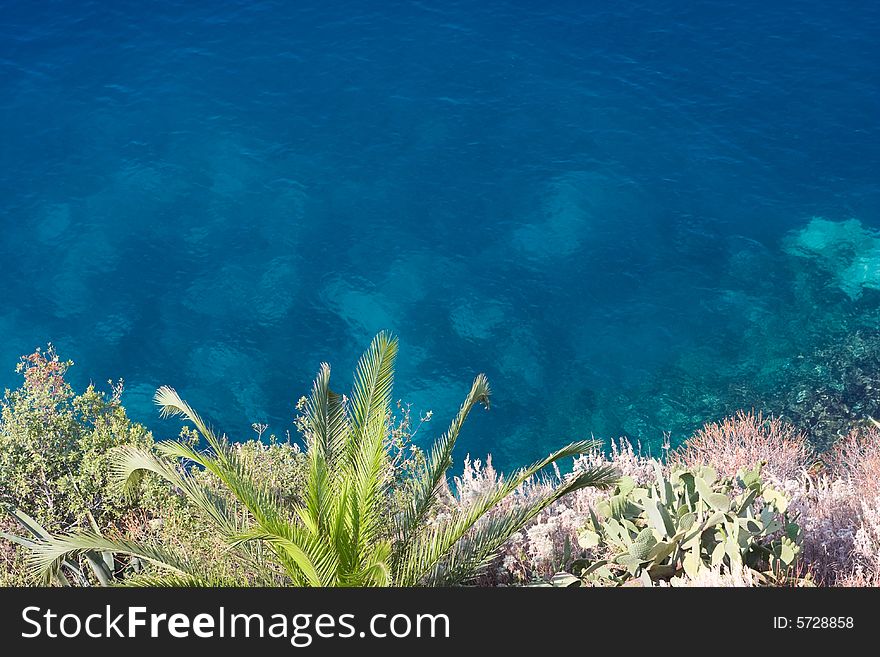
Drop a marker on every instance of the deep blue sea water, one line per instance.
(592, 202)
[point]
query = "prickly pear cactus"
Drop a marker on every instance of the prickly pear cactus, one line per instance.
(687, 521)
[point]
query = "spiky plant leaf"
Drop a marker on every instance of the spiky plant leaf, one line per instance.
(432, 546)
(477, 549)
(433, 475)
(46, 556)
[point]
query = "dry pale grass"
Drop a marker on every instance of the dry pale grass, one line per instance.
(856, 459)
(858, 579)
(840, 512)
(715, 578)
(744, 440)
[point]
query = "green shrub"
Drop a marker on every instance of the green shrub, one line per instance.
(686, 522)
(55, 448)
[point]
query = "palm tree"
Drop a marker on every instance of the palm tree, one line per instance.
(338, 534)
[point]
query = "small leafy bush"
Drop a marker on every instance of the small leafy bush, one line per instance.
(688, 521)
(55, 448)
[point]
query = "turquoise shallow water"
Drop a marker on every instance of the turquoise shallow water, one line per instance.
(598, 205)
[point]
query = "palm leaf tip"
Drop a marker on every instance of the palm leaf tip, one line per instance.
(374, 377)
(481, 391)
(600, 477)
(171, 405)
(169, 402)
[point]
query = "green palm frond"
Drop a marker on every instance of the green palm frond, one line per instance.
(368, 450)
(130, 463)
(479, 547)
(171, 405)
(26, 522)
(377, 571)
(18, 540)
(326, 419)
(224, 464)
(290, 545)
(47, 556)
(309, 571)
(39, 533)
(429, 483)
(371, 396)
(328, 430)
(429, 549)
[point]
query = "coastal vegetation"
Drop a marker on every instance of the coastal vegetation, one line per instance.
(90, 498)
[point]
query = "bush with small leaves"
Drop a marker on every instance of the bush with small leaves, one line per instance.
(55, 451)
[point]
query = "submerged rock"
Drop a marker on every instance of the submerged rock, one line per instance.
(846, 250)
